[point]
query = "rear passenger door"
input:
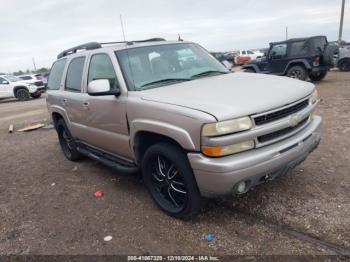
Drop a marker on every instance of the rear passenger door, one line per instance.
(105, 116)
(72, 98)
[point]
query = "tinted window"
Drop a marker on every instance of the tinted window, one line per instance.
(56, 75)
(250, 52)
(101, 67)
(2, 80)
(279, 50)
(298, 48)
(75, 74)
(244, 52)
(26, 77)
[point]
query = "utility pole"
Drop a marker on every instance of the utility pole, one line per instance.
(341, 21)
(286, 32)
(34, 64)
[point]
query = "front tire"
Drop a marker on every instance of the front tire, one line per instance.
(297, 72)
(318, 76)
(67, 142)
(344, 65)
(22, 94)
(169, 179)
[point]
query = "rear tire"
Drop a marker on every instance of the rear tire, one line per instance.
(38, 95)
(318, 76)
(169, 179)
(344, 65)
(249, 70)
(22, 94)
(67, 142)
(297, 72)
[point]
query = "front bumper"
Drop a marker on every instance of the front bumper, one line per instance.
(40, 90)
(220, 176)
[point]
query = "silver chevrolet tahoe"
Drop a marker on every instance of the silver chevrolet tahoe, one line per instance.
(172, 111)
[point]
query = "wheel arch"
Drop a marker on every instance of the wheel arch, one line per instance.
(17, 88)
(297, 62)
(146, 133)
(347, 59)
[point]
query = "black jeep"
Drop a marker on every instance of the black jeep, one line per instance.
(297, 58)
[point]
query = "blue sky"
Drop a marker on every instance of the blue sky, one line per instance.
(42, 29)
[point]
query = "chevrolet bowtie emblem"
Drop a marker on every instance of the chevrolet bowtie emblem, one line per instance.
(294, 120)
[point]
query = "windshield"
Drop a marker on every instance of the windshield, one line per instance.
(12, 78)
(154, 66)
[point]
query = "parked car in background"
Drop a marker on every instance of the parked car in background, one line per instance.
(244, 56)
(222, 58)
(298, 58)
(343, 59)
(36, 79)
(193, 128)
(12, 86)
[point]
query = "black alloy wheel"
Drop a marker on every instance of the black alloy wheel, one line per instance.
(67, 142)
(170, 180)
(22, 94)
(297, 72)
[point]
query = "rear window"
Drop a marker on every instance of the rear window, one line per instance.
(56, 75)
(75, 74)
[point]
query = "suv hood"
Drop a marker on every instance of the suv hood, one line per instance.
(232, 95)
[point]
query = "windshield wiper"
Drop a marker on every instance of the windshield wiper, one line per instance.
(166, 80)
(209, 72)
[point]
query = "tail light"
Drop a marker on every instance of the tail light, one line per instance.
(39, 77)
(317, 60)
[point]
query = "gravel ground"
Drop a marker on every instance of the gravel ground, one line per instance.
(47, 203)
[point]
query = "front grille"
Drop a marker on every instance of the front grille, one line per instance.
(264, 119)
(282, 132)
(39, 83)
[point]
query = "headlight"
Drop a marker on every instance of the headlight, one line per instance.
(228, 150)
(227, 127)
(314, 97)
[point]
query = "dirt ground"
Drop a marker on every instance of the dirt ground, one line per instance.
(47, 203)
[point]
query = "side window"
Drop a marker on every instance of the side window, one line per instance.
(298, 49)
(279, 51)
(55, 76)
(244, 52)
(101, 67)
(75, 74)
(2, 80)
(250, 52)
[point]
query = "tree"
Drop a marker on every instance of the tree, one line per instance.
(42, 70)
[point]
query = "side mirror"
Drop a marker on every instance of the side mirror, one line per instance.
(102, 87)
(5, 82)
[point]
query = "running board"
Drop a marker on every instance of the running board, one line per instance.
(108, 160)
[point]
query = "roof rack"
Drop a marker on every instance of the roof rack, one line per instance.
(96, 45)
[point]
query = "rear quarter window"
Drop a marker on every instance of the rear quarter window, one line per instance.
(75, 74)
(55, 76)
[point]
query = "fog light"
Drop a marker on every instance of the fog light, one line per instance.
(241, 187)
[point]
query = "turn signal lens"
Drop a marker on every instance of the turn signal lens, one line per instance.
(228, 150)
(314, 97)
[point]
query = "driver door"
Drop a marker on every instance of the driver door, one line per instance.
(6, 89)
(277, 59)
(105, 118)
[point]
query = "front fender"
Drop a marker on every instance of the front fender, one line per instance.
(255, 67)
(180, 135)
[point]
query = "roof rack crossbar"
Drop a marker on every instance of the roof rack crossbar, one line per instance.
(95, 45)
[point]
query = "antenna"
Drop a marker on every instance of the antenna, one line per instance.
(127, 50)
(121, 24)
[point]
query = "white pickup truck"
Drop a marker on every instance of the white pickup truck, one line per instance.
(11, 86)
